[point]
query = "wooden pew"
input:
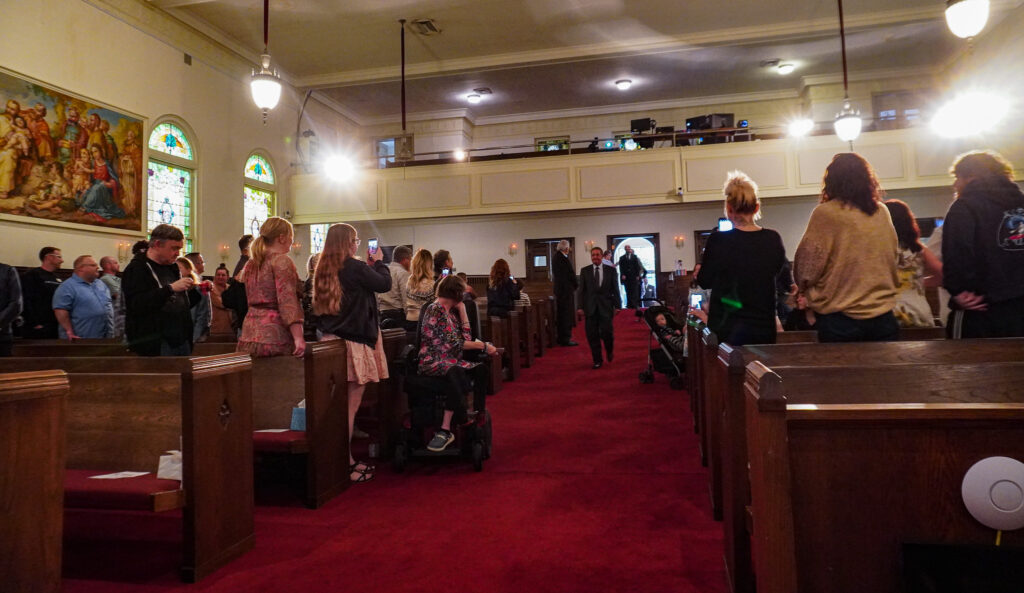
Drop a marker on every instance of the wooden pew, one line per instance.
(694, 369)
(385, 401)
(728, 376)
(504, 335)
(124, 412)
(848, 463)
(527, 333)
(320, 378)
(33, 409)
(540, 312)
(552, 314)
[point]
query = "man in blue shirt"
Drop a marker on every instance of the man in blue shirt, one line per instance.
(82, 304)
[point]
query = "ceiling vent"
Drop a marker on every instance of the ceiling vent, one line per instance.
(425, 27)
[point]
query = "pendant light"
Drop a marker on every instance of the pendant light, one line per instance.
(403, 144)
(265, 84)
(848, 122)
(966, 18)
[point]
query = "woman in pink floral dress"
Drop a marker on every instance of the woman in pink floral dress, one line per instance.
(444, 335)
(273, 325)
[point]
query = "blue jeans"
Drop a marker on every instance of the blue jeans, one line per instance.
(182, 349)
(836, 327)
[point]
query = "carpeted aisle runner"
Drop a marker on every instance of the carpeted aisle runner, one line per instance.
(595, 486)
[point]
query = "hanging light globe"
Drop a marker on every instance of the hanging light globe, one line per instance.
(265, 86)
(848, 123)
(966, 18)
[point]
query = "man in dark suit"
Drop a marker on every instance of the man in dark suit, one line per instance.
(598, 299)
(631, 271)
(565, 291)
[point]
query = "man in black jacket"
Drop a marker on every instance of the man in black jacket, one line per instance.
(10, 306)
(37, 288)
(158, 321)
(630, 272)
(983, 249)
(565, 293)
(598, 298)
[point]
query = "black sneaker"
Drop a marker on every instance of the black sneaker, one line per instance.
(441, 440)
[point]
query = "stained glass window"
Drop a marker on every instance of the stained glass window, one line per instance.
(170, 198)
(170, 139)
(259, 206)
(259, 169)
(317, 234)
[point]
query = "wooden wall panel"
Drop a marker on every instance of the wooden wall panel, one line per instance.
(768, 170)
(630, 179)
(525, 187)
(429, 194)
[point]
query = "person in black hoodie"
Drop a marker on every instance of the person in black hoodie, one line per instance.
(983, 249)
(158, 321)
(345, 303)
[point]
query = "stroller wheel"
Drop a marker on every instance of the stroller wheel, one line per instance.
(646, 377)
(401, 458)
(478, 456)
(676, 383)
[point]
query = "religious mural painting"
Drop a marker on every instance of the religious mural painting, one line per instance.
(68, 160)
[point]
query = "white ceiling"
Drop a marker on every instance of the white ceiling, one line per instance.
(540, 55)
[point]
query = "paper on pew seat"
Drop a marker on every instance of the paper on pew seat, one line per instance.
(118, 475)
(272, 430)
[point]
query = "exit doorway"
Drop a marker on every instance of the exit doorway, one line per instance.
(539, 253)
(646, 246)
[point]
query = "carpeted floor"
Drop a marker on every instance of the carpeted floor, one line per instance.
(595, 486)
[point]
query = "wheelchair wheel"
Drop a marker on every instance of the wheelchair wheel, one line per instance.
(401, 458)
(478, 456)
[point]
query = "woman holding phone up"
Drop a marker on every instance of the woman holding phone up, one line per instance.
(346, 306)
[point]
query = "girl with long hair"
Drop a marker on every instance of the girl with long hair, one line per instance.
(419, 290)
(345, 303)
(740, 267)
(846, 261)
(273, 325)
(502, 290)
(918, 269)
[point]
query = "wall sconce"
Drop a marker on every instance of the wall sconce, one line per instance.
(225, 252)
(680, 241)
(296, 248)
(589, 244)
(513, 249)
(124, 249)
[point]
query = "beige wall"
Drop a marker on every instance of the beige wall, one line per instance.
(92, 54)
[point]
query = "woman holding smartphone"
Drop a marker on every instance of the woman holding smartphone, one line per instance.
(739, 267)
(345, 302)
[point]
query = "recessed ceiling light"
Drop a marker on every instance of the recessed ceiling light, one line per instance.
(623, 84)
(473, 98)
(786, 68)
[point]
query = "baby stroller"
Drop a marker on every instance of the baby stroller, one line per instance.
(426, 407)
(663, 358)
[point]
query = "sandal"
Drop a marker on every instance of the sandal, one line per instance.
(365, 469)
(362, 477)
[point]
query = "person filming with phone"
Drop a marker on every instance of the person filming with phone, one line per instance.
(502, 290)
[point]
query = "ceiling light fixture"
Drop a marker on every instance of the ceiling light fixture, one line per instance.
(403, 144)
(339, 168)
(265, 84)
(848, 122)
(786, 68)
(966, 18)
(459, 154)
(801, 127)
(473, 98)
(959, 117)
(624, 84)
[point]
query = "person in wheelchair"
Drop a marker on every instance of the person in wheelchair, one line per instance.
(444, 336)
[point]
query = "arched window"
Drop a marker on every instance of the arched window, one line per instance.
(171, 172)
(258, 193)
(317, 235)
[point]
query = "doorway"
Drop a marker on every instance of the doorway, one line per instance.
(646, 246)
(539, 253)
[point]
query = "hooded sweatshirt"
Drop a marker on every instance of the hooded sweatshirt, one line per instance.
(983, 241)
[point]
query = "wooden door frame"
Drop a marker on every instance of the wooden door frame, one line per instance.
(526, 252)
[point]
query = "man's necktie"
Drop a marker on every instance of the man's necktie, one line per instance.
(597, 276)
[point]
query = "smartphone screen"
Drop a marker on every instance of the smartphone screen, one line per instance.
(445, 272)
(695, 300)
(724, 224)
(373, 245)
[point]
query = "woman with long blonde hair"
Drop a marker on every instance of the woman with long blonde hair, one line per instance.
(345, 303)
(273, 325)
(419, 290)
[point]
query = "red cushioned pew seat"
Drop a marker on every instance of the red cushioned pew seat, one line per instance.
(142, 493)
(289, 441)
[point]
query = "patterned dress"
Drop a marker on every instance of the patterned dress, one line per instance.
(441, 342)
(912, 308)
(273, 294)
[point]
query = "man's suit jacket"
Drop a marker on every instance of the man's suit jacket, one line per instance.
(601, 300)
(630, 266)
(563, 276)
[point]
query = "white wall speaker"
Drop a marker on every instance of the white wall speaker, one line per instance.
(993, 492)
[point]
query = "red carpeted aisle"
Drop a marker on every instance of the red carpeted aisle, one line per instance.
(595, 485)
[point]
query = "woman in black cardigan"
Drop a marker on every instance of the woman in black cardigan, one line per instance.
(345, 302)
(502, 290)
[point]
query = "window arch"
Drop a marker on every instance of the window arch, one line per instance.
(171, 178)
(317, 236)
(259, 193)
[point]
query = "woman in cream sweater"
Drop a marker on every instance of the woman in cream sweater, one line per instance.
(846, 261)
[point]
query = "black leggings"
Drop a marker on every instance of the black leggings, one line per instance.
(459, 385)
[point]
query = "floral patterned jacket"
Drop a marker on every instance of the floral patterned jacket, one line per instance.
(441, 338)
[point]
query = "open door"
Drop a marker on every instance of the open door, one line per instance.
(646, 247)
